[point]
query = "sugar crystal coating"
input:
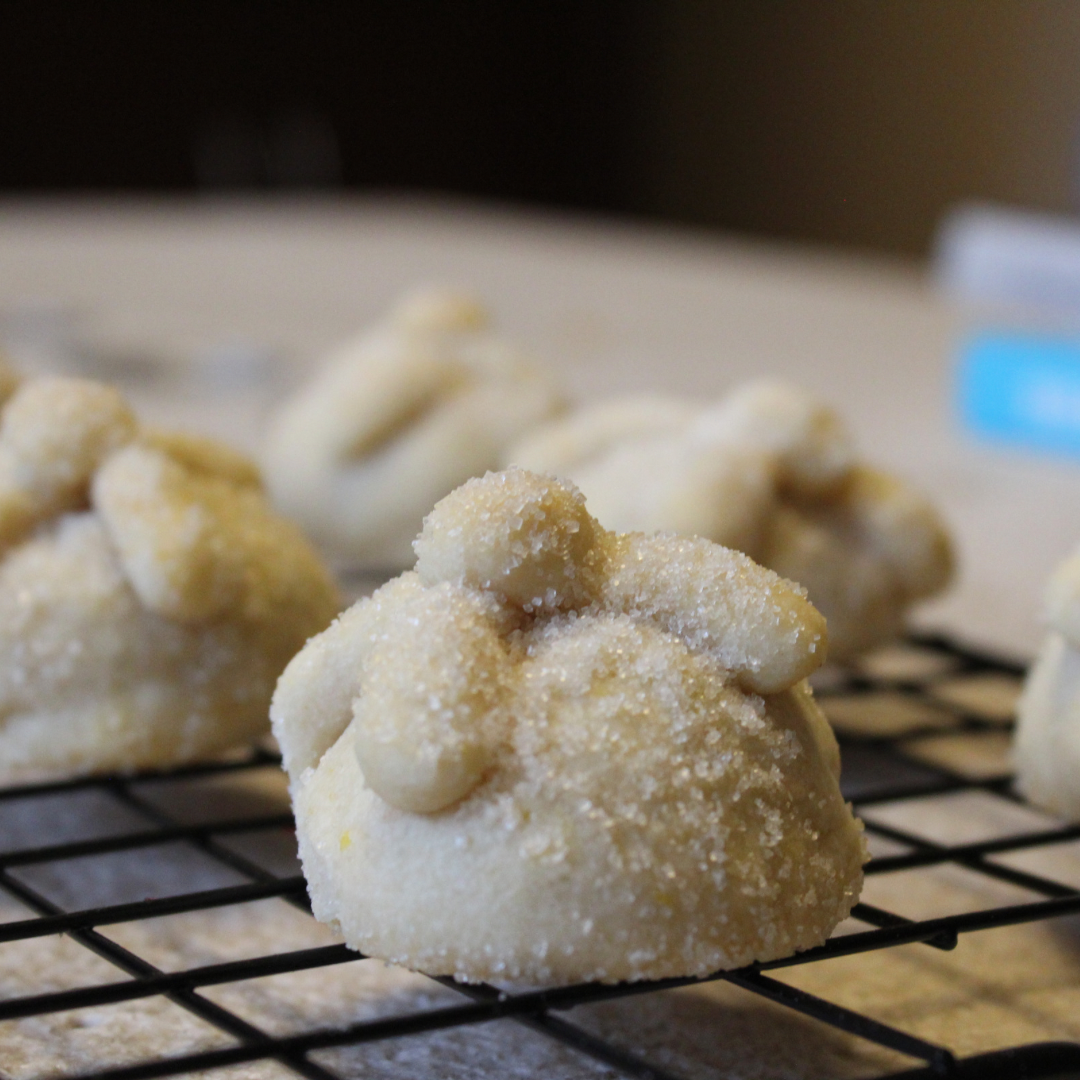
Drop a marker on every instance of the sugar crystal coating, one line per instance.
(424, 730)
(720, 602)
(149, 597)
(529, 539)
(579, 784)
(771, 472)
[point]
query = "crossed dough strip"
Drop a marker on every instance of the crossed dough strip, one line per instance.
(770, 472)
(149, 597)
(552, 753)
(1047, 744)
(396, 420)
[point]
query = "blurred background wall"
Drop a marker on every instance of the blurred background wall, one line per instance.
(845, 122)
(859, 122)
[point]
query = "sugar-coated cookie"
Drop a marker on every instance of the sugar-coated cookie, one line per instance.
(149, 596)
(1047, 745)
(397, 419)
(768, 471)
(552, 753)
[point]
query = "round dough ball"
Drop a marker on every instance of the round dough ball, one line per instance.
(583, 791)
(55, 433)
(527, 538)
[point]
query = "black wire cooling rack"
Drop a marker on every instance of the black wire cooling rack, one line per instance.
(924, 720)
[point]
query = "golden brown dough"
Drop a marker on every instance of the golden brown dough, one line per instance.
(149, 597)
(551, 753)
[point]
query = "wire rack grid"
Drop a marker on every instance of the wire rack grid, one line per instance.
(941, 736)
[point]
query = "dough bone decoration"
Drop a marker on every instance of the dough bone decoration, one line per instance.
(552, 753)
(397, 419)
(149, 595)
(771, 472)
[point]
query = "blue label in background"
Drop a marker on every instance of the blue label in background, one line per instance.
(1022, 389)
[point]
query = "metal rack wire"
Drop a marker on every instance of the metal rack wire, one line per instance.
(882, 766)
